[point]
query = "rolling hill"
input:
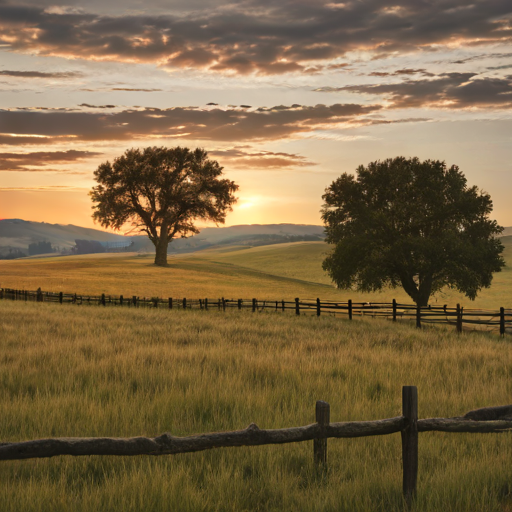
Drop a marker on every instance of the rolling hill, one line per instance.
(18, 234)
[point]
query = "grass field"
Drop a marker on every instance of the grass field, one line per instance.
(90, 371)
(80, 371)
(283, 271)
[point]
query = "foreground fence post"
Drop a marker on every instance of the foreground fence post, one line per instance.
(410, 442)
(459, 319)
(318, 307)
(297, 307)
(418, 316)
(223, 304)
(350, 309)
(206, 304)
(394, 310)
(502, 322)
(61, 297)
(254, 305)
(170, 302)
(323, 418)
(184, 303)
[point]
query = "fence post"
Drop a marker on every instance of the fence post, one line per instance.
(410, 442)
(418, 316)
(254, 305)
(223, 304)
(502, 322)
(134, 300)
(121, 300)
(239, 303)
(394, 310)
(206, 304)
(103, 302)
(350, 309)
(297, 306)
(39, 295)
(170, 302)
(318, 307)
(459, 319)
(184, 303)
(323, 418)
(200, 303)
(61, 297)
(282, 305)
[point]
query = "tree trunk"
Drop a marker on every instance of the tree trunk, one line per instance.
(419, 294)
(161, 251)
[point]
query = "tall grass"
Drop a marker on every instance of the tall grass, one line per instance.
(91, 371)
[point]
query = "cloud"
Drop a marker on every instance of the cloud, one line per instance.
(134, 90)
(252, 36)
(239, 158)
(399, 72)
(39, 74)
(447, 90)
(231, 124)
(25, 161)
(87, 105)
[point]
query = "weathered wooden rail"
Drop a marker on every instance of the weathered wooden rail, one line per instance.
(486, 420)
(482, 319)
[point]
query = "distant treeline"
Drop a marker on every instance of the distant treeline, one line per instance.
(40, 248)
(88, 247)
(13, 254)
(32, 250)
(94, 246)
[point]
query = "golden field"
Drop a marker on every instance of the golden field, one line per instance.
(68, 370)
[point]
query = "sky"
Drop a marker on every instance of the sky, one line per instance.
(285, 95)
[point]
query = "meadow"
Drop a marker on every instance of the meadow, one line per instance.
(70, 370)
(273, 272)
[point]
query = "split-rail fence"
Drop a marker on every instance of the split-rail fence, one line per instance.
(485, 420)
(499, 320)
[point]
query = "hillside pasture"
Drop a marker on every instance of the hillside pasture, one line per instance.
(275, 272)
(92, 371)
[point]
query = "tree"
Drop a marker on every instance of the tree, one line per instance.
(161, 192)
(410, 223)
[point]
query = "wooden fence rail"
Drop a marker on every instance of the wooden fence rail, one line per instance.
(492, 320)
(486, 420)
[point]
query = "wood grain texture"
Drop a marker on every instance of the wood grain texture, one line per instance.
(166, 444)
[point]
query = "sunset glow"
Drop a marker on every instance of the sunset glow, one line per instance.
(284, 96)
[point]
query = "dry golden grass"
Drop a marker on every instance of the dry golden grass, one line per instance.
(92, 371)
(283, 271)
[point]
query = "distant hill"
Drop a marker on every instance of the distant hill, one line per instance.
(17, 234)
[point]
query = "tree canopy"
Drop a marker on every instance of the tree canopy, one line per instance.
(161, 192)
(402, 222)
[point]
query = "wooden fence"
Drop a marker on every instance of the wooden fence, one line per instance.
(486, 420)
(461, 318)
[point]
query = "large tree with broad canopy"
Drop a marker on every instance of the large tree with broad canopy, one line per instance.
(161, 192)
(402, 222)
